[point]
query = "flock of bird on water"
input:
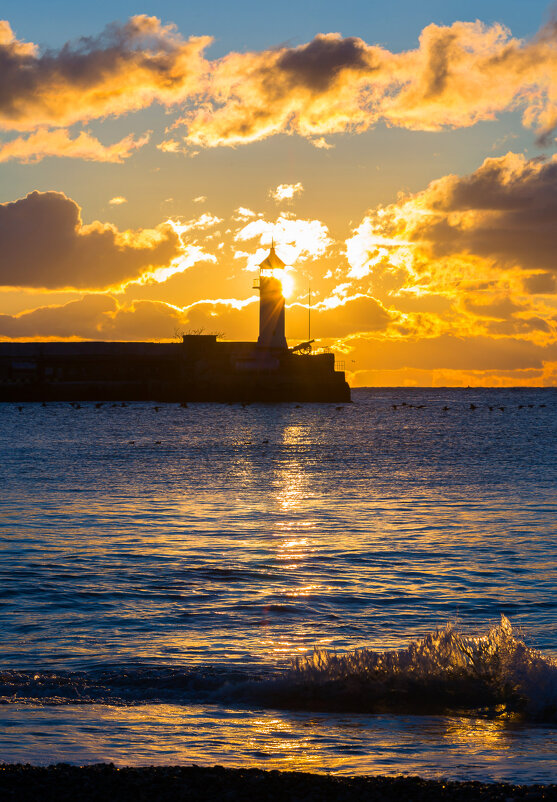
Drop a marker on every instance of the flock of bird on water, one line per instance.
(244, 404)
(472, 406)
(98, 404)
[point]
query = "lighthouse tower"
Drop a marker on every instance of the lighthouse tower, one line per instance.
(271, 302)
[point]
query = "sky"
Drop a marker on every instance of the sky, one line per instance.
(402, 156)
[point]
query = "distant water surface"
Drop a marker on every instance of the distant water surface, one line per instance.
(163, 557)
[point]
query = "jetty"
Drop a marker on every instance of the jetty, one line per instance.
(199, 368)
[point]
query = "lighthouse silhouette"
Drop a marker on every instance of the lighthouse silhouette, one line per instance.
(271, 302)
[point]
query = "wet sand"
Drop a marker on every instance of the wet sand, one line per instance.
(107, 782)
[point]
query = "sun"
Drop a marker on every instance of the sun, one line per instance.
(287, 285)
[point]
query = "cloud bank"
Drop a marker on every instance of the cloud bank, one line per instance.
(503, 214)
(45, 244)
(457, 76)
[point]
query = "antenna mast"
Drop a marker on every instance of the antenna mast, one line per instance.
(309, 310)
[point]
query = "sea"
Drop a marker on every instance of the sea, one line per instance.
(363, 588)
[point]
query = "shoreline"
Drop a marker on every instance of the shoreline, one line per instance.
(105, 781)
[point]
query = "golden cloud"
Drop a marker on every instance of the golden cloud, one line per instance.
(503, 213)
(58, 142)
(313, 89)
(459, 75)
(128, 67)
(485, 242)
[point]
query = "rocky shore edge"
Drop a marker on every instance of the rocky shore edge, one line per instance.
(105, 781)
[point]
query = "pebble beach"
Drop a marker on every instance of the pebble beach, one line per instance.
(107, 782)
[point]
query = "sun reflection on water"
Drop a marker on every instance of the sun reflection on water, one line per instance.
(478, 734)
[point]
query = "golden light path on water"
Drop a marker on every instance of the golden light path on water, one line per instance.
(295, 538)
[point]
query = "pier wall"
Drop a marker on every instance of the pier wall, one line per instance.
(198, 369)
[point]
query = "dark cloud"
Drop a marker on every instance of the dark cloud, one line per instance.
(442, 52)
(361, 313)
(506, 210)
(541, 284)
(509, 184)
(516, 326)
(102, 317)
(318, 64)
(45, 244)
(81, 318)
(96, 317)
(499, 309)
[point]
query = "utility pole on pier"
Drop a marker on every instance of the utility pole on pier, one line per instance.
(309, 311)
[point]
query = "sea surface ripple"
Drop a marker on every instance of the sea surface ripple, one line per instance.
(154, 556)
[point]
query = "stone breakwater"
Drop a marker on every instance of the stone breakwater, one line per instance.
(105, 781)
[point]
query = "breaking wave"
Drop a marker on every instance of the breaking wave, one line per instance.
(493, 674)
(444, 671)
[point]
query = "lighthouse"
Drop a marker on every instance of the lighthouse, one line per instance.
(271, 302)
